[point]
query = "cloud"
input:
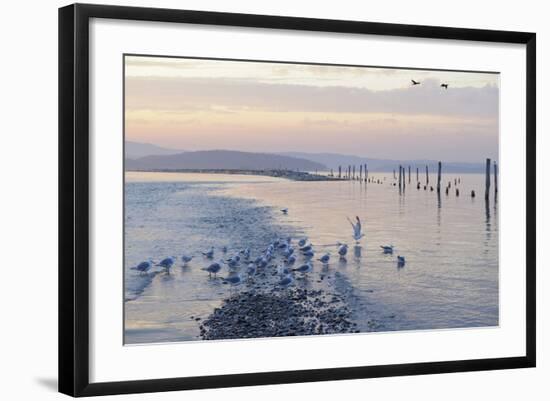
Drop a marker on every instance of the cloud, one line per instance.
(156, 93)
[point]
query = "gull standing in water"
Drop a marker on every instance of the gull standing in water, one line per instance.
(290, 260)
(309, 254)
(213, 268)
(400, 261)
(305, 268)
(167, 262)
(306, 248)
(251, 269)
(343, 250)
(325, 258)
(285, 281)
(233, 279)
(210, 253)
(357, 235)
(186, 259)
(288, 251)
(387, 248)
(143, 266)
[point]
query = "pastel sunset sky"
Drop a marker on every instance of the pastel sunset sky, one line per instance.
(196, 104)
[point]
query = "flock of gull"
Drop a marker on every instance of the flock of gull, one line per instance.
(242, 265)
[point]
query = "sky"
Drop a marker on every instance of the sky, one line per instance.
(199, 104)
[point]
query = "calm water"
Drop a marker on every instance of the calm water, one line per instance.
(450, 279)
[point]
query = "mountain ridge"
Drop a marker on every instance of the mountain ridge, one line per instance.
(223, 160)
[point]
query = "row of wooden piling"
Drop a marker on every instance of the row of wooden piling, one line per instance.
(363, 175)
(350, 173)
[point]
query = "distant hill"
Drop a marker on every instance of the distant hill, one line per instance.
(223, 160)
(146, 156)
(135, 150)
(333, 160)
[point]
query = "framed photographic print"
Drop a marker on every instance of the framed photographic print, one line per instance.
(250, 199)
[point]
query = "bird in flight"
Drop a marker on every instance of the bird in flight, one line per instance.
(415, 82)
(446, 86)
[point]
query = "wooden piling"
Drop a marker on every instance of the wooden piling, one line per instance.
(487, 178)
(409, 174)
(353, 176)
(439, 177)
(417, 180)
(339, 171)
(360, 172)
(496, 178)
(427, 177)
(399, 177)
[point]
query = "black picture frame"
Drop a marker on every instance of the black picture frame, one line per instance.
(74, 198)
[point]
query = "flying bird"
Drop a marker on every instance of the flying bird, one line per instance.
(285, 210)
(357, 235)
(415, 82)
(387, 248)
(446, 86)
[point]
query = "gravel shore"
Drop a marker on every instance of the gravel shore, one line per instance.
(284, 312)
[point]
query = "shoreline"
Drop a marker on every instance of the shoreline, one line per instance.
(288, 174)
(283, 313)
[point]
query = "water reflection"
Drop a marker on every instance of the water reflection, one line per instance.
(357, 251)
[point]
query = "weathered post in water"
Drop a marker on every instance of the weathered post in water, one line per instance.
(353, 177)
(438, 177)
(360, 172)
(349, 172)
(339, 171)
(399, 177)
(409, 174)
(427, 177)
(366, 173)
(403, 178)
(496, 178)
(417, 180)
(487, 178)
